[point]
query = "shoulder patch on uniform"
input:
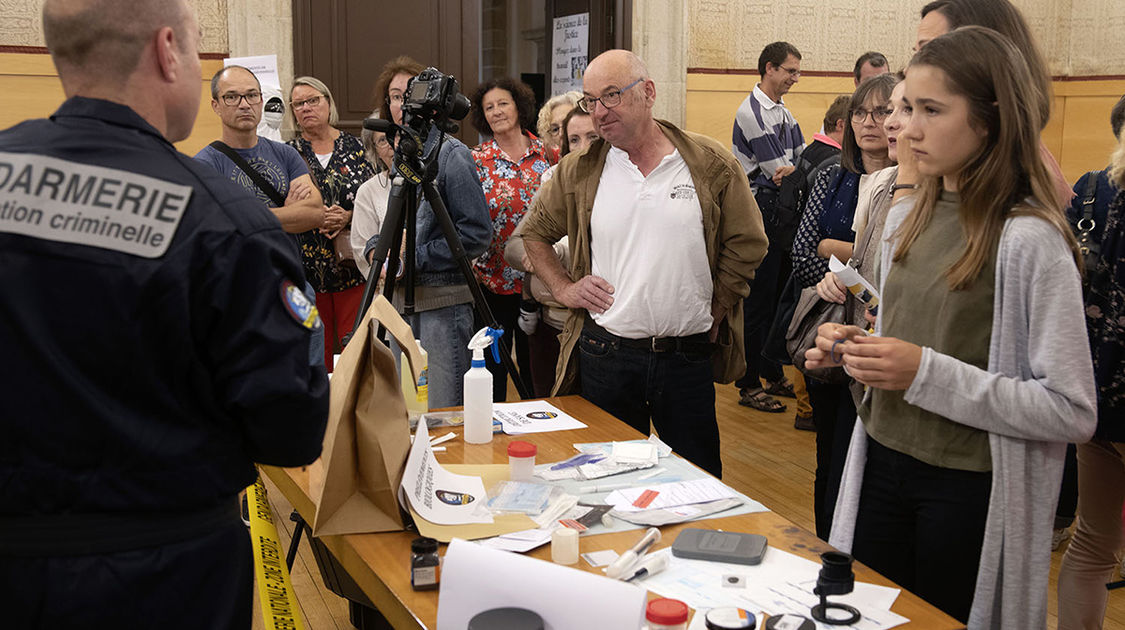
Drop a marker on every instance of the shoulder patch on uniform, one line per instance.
(299, 306)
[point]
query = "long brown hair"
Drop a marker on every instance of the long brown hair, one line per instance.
(393, 68)
(1003, 17)
(564, 147)
(1117, 164)
(1007, 177)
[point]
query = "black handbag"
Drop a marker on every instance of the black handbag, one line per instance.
(811, 312)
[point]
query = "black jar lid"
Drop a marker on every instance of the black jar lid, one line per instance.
(506, 619)
(424, 545)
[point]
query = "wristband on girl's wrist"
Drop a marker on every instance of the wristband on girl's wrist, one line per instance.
(898, 187)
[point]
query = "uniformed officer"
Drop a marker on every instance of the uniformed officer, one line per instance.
(155, 341)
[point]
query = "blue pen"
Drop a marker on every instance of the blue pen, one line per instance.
(579, 460)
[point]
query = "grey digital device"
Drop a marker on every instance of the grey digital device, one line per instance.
(716, 546)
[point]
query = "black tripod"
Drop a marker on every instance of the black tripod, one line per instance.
(401, 222)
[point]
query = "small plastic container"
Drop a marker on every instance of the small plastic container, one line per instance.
(730, 618)
(564, 546)
(521, 460)
(666, 614)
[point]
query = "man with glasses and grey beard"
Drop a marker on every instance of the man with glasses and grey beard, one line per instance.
(272, 172)
(664, 237)
(236, 96)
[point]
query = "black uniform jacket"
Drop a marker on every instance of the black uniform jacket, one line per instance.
(153, 341)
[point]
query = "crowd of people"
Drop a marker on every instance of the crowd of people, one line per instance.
(627, 260)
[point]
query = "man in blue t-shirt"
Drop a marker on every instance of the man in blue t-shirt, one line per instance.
(236, 96)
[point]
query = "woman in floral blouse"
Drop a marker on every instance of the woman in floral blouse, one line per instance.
(510, 165)
(338, 167)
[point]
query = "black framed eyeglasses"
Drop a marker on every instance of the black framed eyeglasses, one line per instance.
(232, 99)
(312, 101)
(608, 100)
(879, 114)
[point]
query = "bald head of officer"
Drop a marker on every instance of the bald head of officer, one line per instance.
(141, 54)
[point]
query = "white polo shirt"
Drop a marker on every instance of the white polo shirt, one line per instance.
(646, 240)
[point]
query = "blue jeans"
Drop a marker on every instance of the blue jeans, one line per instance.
(674, 389)
(445, 334)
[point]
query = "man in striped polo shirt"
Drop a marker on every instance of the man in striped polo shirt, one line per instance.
(767, 140)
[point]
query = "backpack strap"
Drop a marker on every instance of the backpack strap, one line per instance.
(261, 182)
(1088, 247)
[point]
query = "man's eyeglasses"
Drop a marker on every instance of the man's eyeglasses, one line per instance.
(879, 114)
(793, 72)
(608, 100)
(232, 100)
(312, 101)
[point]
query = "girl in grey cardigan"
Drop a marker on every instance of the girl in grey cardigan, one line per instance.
(1018, 385)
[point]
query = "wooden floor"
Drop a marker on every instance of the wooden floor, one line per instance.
(763, 456)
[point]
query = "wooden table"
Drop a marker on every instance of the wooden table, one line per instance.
(380, 563)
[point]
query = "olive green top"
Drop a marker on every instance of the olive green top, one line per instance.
(919, 307)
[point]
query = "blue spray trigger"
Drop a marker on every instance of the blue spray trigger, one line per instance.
(495, 334)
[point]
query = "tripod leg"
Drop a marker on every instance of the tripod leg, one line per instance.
(458, 251)
(388, 245)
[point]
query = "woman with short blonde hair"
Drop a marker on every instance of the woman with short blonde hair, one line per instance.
(338, 167)
(550, 123)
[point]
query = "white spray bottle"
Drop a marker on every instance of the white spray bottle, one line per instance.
(478, 387)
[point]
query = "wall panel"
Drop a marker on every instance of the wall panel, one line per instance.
(1078, 133)
(30, 88)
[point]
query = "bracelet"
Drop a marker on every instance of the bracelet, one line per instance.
(898, 187)
(832, 351)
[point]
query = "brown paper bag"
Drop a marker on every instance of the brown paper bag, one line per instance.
(368, 437)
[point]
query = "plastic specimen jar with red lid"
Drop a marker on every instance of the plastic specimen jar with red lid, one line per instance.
(666, 614)
(521, 460)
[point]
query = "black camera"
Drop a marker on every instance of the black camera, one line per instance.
(434, 97)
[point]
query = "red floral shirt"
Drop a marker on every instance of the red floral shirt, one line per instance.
(508, 186)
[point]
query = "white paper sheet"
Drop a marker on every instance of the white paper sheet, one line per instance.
(671, 494)
(533, 417)
(863, 290)
(609, 467)
(602, 558)
(565, 598)
(439, 496)
(519, 542)
(634, 453)
(782, 583)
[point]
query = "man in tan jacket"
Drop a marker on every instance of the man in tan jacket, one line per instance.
(665, 236)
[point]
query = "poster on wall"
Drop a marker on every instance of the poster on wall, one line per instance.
(263, 66)
(570, 45)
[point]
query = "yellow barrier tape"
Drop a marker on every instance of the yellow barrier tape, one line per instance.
(279, 603)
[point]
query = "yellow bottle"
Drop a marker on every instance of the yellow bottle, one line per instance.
(417, 395)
